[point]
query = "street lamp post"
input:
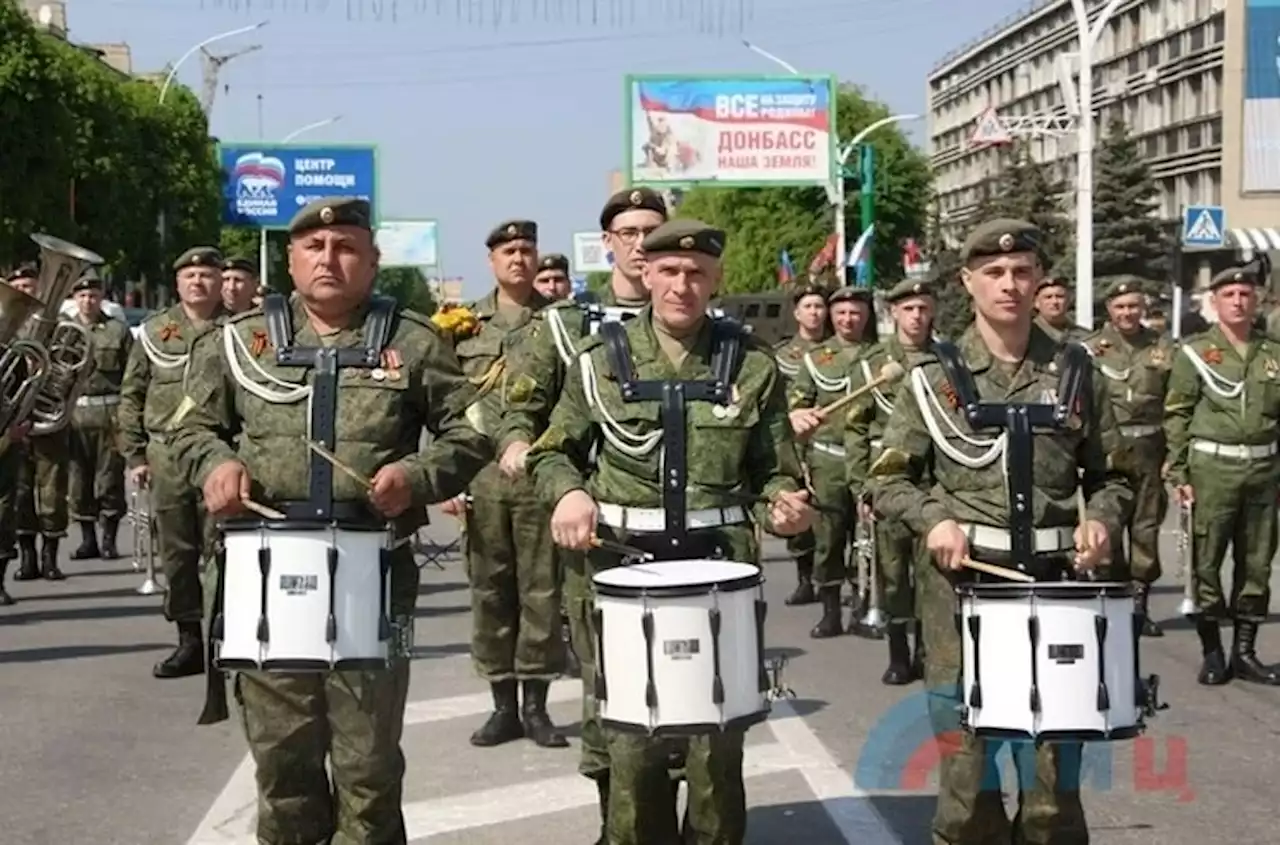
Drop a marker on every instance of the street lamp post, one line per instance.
(263, 264)
(173, 71)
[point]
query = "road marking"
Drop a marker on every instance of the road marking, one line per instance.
(463, 706)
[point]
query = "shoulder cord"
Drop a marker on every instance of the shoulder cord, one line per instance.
(160, 359)
(882, 401)
(634, 445)
(931, 409)
(827, 385)
(1224, 387)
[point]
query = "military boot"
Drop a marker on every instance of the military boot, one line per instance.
(5, 598)
(49, 560)
(899, 672)
(1214, 670)
(535, 721)
(1149, 627)
(88, 548)
(188, 658)
(28, 568)
(503, 725)
(602, 794)
(803, 593)
(1245, 664)
(110, 531)
(917, 661)
(831, 624)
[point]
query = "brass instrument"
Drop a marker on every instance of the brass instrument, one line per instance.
(68, 344)
(142, 520)
(873, 618)
(1187, 560)
(24, 364)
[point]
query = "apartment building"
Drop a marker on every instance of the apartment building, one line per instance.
(1175, 71)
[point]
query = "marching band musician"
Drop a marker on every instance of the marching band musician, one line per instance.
(239, 284)
(1001, 508)
(675, 471)
(1134, 362)
(826, 374)
(236, 393)
(150, 394)
(912, 303)
(1052, 316)
(552, 278)
(1220, 419)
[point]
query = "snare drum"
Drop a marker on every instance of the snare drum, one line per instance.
(304, 597)
(680, 647)
(1051, 661)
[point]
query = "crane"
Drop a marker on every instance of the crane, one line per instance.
(212, 66)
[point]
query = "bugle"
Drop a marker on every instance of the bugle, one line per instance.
(873, 619)
(1187, 559)
(142, 520)
(24, 364)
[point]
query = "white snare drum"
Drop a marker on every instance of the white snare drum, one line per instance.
(303, 597)
(680, 647)
(1051, 661)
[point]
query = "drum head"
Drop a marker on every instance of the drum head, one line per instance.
(1047, 590)
(688, 577)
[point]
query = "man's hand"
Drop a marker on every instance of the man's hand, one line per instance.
(391, 493)
(140, 476)
(948, 544)
(573, 523)
(226, 488)
(19, 432)
(455, 507)
(1186, 495)
(511, 464)
(865, 512)
(790, 513)
(1093, 545)
(805, 420)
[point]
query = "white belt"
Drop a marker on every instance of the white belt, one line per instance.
(1001, 540)
(828, 449)
(1239, 452)
(654, 520)
(97, 401)
(1139, 430)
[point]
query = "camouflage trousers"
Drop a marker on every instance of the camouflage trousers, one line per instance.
(97, 473)
(970, 809)
(1141, 562)
(895, 558)
(833, 526)
(11, 456)
(515, 594)
(183, 533)
(41, 506)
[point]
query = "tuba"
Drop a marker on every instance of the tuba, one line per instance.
(24, 365)
(68, 344)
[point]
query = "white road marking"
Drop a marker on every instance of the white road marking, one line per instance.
(463, 706)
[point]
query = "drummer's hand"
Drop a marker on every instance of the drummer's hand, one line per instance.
(948, 544)
(1093, 545)
(511, 463)
(392, 493)
(140, 476)
(457, 506)
(573, 523)
(226, 488)
(790, 513)
(865, 511)
(1186, 495)
(805, 420)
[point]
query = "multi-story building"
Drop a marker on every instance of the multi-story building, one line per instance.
(1177, 72)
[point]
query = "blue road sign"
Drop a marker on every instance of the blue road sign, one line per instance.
(264, 185)
(1204, 226)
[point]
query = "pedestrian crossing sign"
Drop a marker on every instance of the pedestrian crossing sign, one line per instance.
(990, 130)
(1203, 226)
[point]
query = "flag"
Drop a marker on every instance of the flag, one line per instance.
(786, 270)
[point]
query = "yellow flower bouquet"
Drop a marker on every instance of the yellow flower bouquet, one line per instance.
(456, 320)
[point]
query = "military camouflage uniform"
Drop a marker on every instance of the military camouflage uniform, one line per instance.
(789, 355)
(41, 509)
(294, 721)
(9, 457)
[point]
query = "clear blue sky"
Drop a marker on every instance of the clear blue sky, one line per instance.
(478, 119)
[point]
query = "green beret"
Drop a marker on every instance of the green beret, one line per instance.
(1245, 275)
(808, 289)
(1051, 282)
(850, 293)
(239, 262)
(1001, 237)
(89, 280)
(24, 271)
(632, 199)
(685, 236)
(199, 256)
(1122, 285)
(908, 288)
(512, 230)
(553, 261)
(332, 211)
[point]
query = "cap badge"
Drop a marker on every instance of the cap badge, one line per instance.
(326, 215)
(1124, 288)
(686, 242)
(1238, 277)
(917, 288)
(1006, 242)
(512, 230)
(636, 198)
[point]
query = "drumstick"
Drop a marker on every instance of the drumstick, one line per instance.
(338, 463)
(620, 548)
(889, 373)
(262, 510)
(998, 571)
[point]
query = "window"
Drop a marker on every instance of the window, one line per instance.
(1194, 137)
(1153, 146)
(1153, 55)
(1215, 132)
(1175, 46)
(1219, 29)
(772, 311)
(1134, 64)
(1197, 38)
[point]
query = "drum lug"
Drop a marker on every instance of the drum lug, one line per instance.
(975, 690)
(1033, 629)
(331, 623)
(717, 683)
(650, 689)
(264, 570)
(601, 689)
(1104, 697)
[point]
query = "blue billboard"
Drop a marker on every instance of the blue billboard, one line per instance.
(1261, 136)
(264, 185)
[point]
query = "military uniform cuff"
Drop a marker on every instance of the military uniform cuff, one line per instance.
(135, 461)
(206, 467)
(419, 485)
(930, 516)
(558, 488)
(506, 438)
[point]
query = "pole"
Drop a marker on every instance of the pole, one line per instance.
(868, 195)
(173, 71)
(842, 248)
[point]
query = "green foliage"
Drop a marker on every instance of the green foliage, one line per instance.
(408, 286)
(1128, 238)
(1026, 189)
(597, 282)
(244, 241)
(954, 311)
(761, 222)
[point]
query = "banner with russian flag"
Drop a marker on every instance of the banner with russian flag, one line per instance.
(786, 269)
(732, 131)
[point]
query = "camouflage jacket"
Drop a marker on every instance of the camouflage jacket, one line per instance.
(236, 389)
(866, 421)
(1216, 395)
(1135, 370)
(747, 452)
(826, 374)
(152, 388)
(789, 354)
(1072, 332)
(112, 342)
(970, 484)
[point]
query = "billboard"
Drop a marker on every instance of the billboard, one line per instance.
(590, 254)
(264, 185)
(736, 131)
(1260, 170)
(409, 243)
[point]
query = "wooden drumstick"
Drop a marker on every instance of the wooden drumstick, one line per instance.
(998, 571)
(889, 373)
(262, 510)
(620, 548)
(338, 463)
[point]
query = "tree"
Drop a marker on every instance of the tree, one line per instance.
(1128, 237)
(1026, 189)
(954, 310)
(408, 286)
(761, 222)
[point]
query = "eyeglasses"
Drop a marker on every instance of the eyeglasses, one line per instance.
(630, 235)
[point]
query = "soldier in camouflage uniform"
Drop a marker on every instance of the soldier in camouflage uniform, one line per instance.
(967, 513)
(826, 373)
(810, 301)
(239, 284)
(1221, 417)
(515, 597)
(149, 397)
(552, 279)
(740, 451)
(1053, 301)
(912, 303)
(10, 455)
(1134, 362)
(97, 469)
(352, 720)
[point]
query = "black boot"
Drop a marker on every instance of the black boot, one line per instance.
(535, 721)
(28, 568)
(503, 725)
(917, 661)
(602, 793)
(1213, 671)
(49, 560)
(899, 672)
(804, 581)
(110, 530)
(1149, 626)
(188, 658)
(830, 625)
(1245, 664)
(5, 598)
(88, 548)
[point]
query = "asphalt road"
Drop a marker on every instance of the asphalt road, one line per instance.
(92, 749)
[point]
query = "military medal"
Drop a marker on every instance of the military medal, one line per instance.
(1213, 355)
(378, 375)
(170, 332)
